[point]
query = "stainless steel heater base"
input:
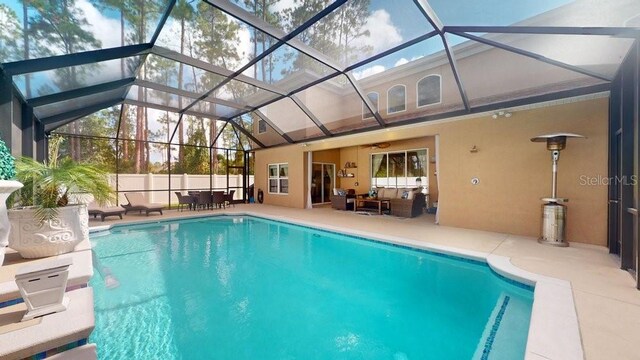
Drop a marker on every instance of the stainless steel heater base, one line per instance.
(554, 217)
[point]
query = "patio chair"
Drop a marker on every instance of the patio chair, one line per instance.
(183, 200)
(138, 202)
(343, 200)
(218, 198)
(228, 198)
(203, 200)
(96, 210)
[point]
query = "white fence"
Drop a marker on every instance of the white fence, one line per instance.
(156, 186)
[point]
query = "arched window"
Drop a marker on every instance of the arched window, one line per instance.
(396, 99)
(373, 98)
(429, 90)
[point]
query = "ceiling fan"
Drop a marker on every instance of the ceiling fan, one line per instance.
(380, 145)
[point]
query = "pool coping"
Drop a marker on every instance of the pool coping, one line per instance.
(554, 331)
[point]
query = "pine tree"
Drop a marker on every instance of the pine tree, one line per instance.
(58, 27)
(216, 41)
(184, 13)
(10, 34)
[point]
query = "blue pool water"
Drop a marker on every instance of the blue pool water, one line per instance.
(248, 288)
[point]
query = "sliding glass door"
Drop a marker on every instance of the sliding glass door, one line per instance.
(322, 182)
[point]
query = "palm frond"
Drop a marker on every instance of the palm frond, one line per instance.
(50, 184)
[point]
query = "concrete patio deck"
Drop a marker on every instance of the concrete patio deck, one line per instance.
(608, 305)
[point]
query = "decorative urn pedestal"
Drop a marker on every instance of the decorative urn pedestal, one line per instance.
(6, 188)
(34, 239)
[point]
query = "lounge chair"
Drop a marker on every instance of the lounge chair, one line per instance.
(138, 202)
(104, 211)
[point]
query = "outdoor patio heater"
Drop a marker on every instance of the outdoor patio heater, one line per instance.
(554, 212)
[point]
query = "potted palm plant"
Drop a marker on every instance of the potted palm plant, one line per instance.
(53, 218)
(7, 186)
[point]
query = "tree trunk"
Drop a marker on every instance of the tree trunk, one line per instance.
(25, 35)
(180, 73)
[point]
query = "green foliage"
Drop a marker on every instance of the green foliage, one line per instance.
(49, 185)
(7, 162)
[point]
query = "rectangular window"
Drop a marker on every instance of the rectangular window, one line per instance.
(373, 98)
(400, 169)
(262, 126)
(279, 178)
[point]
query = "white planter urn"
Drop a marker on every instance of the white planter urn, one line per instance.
(33, 239)
(6, 188)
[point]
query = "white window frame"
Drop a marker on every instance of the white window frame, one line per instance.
(277, 178)
(425, 184)
(364, 106)
(405, 99)
(418, 91)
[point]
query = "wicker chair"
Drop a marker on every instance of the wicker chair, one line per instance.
(217, 199)
(344, 202)
(228, 198)
(204, 200)
(408, 207)
(185, 200)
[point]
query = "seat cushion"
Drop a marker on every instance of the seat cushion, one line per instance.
(390, 193)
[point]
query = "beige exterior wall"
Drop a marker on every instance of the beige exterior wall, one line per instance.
(361, 155)
(514, 173)
(295, 157)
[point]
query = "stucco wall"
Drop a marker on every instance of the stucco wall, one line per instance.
(295, 157)
(514, 173)
(361, 155)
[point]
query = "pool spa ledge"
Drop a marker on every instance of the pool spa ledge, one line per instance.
(64, 333)
(554, 332)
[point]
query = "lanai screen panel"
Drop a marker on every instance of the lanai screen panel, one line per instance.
(49, 82)
(288, 117)
(360, 29)
(103, 123)
(601, 55)
(55, 29)
(165, 71)
(415, 81)
(62, 107)
(338, 106)
(507, 76)
(264, 64)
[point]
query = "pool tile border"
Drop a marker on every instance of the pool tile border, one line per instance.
(494, 329)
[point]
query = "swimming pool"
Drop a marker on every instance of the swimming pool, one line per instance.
(240, 287)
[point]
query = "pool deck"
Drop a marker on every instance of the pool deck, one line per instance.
(606, 301)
